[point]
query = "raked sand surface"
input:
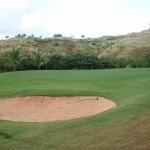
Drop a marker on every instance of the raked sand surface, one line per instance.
(45, 108)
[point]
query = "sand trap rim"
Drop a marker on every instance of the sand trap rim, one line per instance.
(52, 108)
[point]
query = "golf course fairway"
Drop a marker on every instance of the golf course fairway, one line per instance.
(125, 127)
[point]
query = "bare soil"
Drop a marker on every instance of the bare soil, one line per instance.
(44, 108)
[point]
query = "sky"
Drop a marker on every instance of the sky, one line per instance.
(92, 18)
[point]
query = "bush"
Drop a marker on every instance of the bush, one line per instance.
(147, 60)
(122, 62)
(56, 44)
(107, 62)
(55, 62)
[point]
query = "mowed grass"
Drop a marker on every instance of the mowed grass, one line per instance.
(126, 127)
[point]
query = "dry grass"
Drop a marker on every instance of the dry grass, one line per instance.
(132, 45)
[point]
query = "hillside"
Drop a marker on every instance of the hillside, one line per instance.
(134, 45)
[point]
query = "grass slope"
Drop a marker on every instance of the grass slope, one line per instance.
(135, 45)
(125, 127)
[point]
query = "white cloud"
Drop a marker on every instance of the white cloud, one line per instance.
(2, 27)
(29, 21)
(73, 17)
(10, 11)
(13, 5)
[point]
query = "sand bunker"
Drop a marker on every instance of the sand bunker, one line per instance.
(44, 108)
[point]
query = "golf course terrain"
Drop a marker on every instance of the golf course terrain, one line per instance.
(124, 127)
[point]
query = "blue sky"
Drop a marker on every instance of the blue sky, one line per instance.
(93, 18)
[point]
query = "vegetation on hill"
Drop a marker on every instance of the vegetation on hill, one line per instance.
(132, 50)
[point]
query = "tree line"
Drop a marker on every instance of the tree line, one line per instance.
(16, 60)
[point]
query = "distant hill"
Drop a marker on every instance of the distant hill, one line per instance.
(133, 45)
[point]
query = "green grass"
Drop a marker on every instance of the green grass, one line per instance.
(126, 127)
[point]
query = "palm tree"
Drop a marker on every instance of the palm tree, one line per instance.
(23, 35)
(14, 58)
(4, 65)
(18, 36)
(38, 58)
